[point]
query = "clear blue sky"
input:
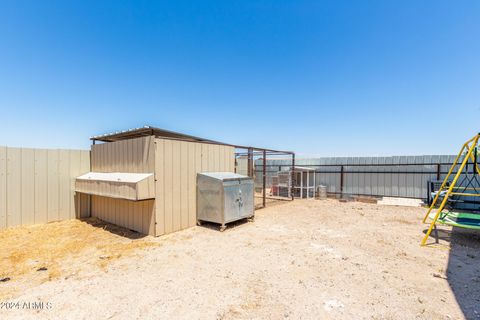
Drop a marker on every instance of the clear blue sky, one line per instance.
(325, 78)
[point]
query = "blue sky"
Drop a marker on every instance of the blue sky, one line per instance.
(328, 78)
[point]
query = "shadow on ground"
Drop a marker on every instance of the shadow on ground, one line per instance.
(230, 226)
(119, 231)
(463, 270)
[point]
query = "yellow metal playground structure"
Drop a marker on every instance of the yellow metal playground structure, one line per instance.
(451, 190)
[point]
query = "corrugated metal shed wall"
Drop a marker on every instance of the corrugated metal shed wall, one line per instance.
(133, 155)
(176, 166)
(37, 185)
(400, 176)
(242, 165)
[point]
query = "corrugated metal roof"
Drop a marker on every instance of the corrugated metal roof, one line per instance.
(149, 131)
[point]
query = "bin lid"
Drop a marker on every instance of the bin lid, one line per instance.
(120, 185)
(224, 176)
(126, 177)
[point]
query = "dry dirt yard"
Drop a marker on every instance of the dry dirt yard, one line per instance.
(307, 259)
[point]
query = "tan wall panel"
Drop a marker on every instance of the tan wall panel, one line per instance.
(137, 216)
(64, 181)
(131, 214)
(168, 171)
(205, 158)
(213, 157)
(216, 156)
(53, 186)
(134, 155)
(14, 186)
(130, 166)
(176, 185)
(3, 187)
(148, 217)
(28, 186)
(230, 158)
(138, 155)
(184, 222)
(176, 166)
(159, 187)
(191, 185)
(41, 187)
(114, 211)
(75, 172)
(149, 214)
(36, 185)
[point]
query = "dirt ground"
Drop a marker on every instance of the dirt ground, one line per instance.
(306, 259)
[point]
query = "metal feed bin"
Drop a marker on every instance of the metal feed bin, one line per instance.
(224, 197)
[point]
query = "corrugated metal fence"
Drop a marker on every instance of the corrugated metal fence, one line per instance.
(400, 176)
(37, 185)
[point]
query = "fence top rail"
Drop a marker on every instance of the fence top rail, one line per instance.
(373, 160)
(365, 165)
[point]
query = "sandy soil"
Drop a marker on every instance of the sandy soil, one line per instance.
(307, 259)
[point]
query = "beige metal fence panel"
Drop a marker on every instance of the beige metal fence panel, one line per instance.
(28, 186)
(41, 186)
(37, 185)
(14, 187)
(64, 184)
(3, 187)
(52, 185)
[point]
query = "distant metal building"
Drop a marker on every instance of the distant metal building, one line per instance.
(145, 179)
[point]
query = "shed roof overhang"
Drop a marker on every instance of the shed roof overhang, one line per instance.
(121, 185)
(149, 131)
(167, 134)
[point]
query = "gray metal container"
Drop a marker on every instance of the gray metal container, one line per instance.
(224, 197)
(322, 192)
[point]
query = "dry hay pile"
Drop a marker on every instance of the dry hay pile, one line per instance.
(48, 251)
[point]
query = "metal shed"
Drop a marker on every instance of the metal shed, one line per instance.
(144, 179)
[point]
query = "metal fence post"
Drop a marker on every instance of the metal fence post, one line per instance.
(293, 176)
(264, 178)
(341, 181)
